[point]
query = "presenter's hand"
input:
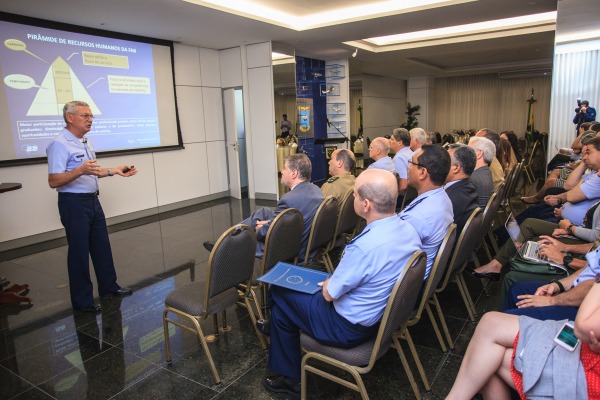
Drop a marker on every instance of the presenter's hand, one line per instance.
(130, 170)
(91, 167)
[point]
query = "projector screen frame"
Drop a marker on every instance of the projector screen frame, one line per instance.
(36, 22)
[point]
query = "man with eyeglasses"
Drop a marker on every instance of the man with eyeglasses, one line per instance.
(74, 171)
(378, 151)
(430, 213)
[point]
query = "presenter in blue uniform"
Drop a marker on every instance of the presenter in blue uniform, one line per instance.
(74, 171)
(348, 310)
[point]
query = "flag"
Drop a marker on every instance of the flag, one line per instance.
(530, 125)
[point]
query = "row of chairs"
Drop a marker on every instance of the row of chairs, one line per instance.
(232, 273)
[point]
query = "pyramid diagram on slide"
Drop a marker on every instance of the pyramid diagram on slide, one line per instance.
(60, 86)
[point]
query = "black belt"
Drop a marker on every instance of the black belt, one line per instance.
(84, 195)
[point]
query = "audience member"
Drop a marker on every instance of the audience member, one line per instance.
(304, 196)
(459, 189)
(378, 151)
(495, 167)
(559, 299)
(400, 145)
(520, 353)
(351, 304)
(418, 137)
(514, 143)
(431, 212)
(481, 177)
(504, 155)
(341, 165)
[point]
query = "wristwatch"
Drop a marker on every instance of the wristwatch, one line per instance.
(108, 173)
(567, 260)
(559, 202)
(561, 287)
(570, 229)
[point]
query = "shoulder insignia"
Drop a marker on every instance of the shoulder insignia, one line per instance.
(333, 179)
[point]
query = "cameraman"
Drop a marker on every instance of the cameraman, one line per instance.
(583, 113)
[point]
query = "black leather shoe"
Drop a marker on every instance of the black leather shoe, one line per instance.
(492, 276)
(124, 291)
(264, 326)
(94, 308)
(281, 384)
(208, 245)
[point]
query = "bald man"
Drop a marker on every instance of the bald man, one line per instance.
(378, 151)
(348, 310)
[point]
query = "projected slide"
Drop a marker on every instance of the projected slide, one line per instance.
(42, 69)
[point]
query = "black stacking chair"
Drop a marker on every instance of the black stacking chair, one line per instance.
(322, 229)
(361, 359)
(231, 262)
(346, 224)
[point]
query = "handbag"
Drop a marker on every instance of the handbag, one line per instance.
(518, 263)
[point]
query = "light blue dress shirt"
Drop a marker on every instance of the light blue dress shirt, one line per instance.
(384, 163)
(370, 266)
(401, 161)
(431, 215)
(66, 153)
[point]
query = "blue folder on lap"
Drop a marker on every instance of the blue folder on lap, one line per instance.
(291, 276)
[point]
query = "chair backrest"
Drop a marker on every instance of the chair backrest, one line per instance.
(283, 239)
(323, 226)
(231, 261)
(490, 213)
(347, 218)
(467, 241)
(514, 182)
(436, 274)
(409, 195)
(400, 303)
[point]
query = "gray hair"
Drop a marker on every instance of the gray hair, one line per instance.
(431, 137)
(71, 108)
(464, 156)
(486, 146)
(586, 137)
(301, 164)
(401, 135)
(419, 134)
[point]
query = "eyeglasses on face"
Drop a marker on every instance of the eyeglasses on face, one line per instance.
(84, 116)
(417, 164)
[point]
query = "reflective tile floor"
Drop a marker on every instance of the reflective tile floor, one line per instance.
(50, 351)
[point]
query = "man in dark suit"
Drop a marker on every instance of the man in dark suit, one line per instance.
(303, 195)
(481, 177)
(461, 191)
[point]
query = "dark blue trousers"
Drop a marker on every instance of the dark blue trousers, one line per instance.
(85, 226)
(542, 313)
(292, 312)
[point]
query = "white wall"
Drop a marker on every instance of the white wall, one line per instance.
(166, 180)
(384, 102)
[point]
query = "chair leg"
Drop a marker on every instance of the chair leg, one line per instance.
(224, 327)
(466, 297)
(167, 339)
(409, 374)
(257, 304)
(415, 355)
(438, 308)
(261, 338)
(436, 328)
(200, 334)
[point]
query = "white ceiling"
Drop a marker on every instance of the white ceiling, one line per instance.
(192, 24)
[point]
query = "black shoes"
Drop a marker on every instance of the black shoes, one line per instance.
(94, 308)
(208, 245)
(124, 291)
(492, 276)
(281, 384)
(264, 326)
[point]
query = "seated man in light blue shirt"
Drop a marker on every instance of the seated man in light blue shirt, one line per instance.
(400, 145)
(348, 310)
(378, 151)
(431, 212)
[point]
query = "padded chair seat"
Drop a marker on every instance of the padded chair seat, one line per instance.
(357, 356)
(190, 299)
